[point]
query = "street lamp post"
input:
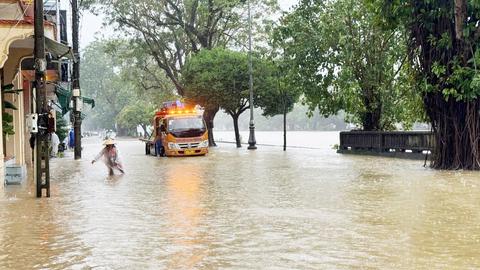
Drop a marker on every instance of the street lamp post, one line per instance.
(251, 139)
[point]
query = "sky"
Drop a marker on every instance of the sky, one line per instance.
(92, 25)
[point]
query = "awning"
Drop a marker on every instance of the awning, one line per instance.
(89, 101)
(64, 96)
(58, 50)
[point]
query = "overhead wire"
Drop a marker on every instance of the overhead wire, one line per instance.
(25, 9)
(18, 20)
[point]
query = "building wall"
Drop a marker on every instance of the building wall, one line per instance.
(10, 10)
(7, 36)
(16, 142)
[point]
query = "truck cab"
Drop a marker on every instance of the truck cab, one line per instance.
(178, 130)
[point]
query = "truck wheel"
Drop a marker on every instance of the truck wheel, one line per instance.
(147, 149)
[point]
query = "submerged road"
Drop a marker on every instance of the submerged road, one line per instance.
(239, 209)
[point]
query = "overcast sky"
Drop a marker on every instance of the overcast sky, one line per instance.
(91, 25)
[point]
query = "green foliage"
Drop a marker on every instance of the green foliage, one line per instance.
(7, 126)
(217, 78)
(9, 89)
(61, 127)
(7, 119)
(101, 80)
(8, 105)
(138, 68)
(443, 48)
(281, 95)
(220, 77)
(444, 62)
(343, 60)
(86, 4)
(170, 31)
(135, 114)
(126, 88)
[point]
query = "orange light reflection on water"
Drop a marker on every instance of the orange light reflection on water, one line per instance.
(185, 212)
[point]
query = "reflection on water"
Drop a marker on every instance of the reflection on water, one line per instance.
(238, 209)
(183, 213)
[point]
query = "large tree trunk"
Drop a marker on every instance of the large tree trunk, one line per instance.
(371, 118)
(456, 127)
(237, 131)
(455, 122)
(209, 116)
(145, 131)
(460, 16)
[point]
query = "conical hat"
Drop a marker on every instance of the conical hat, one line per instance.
(108, 141)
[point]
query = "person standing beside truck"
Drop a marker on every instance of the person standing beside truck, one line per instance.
(159, 141)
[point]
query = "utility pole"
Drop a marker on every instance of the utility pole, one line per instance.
(76, 94)
(42, 166)
(251, 137)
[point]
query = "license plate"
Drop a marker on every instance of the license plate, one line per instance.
(189, 152)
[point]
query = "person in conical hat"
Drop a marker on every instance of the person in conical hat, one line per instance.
(110, 156)
(109, 141)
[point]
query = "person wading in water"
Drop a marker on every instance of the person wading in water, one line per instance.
(110, 157)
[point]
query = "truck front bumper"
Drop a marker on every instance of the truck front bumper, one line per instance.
(186, 152)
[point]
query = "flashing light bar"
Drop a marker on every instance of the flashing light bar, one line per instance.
(167, 111)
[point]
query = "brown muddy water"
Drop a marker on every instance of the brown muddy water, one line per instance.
(240, 209)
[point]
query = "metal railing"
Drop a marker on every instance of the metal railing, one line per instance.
(386, 141)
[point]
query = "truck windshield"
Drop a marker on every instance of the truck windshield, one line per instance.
(179, 124)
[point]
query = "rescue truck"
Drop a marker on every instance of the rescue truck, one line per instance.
(178, 130)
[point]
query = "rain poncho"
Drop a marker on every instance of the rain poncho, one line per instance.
(55, 143)
(111, 158)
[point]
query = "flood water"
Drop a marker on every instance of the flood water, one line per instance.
(239, 209)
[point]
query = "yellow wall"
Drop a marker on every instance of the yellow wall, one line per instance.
(9, 34)
(12, 65)
(16, 142)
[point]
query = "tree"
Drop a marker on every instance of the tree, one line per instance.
(443, 45)
(219, 78)
(61, 127)
(140, 69)
(281, 95)
(126, 88)
(343, 60)
(215, 78)
(103, 82)
(136, 114)
(172, 30)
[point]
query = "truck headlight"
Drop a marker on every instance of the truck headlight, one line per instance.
(172, 145)
(203, 144)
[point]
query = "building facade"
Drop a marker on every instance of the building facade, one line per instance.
(16, 67)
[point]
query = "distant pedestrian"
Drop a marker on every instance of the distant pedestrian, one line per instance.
(71, 139)
(110, 157)
(65, 143)
(55, 142)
